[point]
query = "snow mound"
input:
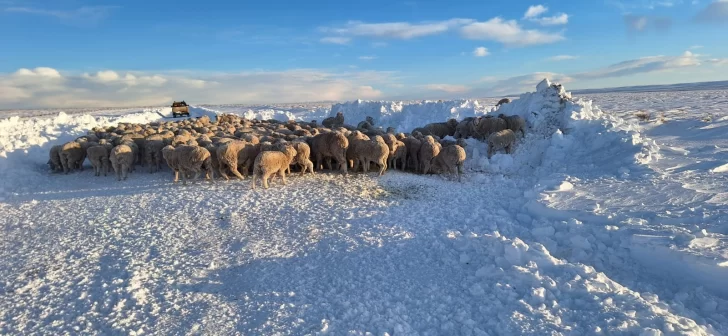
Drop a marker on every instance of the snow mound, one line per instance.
(406, 117)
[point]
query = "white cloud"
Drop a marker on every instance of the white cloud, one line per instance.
(508, 32)
(395, 30)
(635, 22)
(87, 15)
(715, 12)
(367, 58)
(335, 40)
(718, 61)
(642, 23)
(535, 11)
(481, 52)
(46, 87)
(643, 65)
(562, 58)
(558, 19)
(695, 47)
(534, 14)
(448, 88)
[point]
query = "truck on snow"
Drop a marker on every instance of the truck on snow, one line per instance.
(180, 109)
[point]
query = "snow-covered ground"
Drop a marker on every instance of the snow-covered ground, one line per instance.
(599, 224)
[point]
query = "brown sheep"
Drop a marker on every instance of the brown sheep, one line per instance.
(99, 158)
(121, 158)
(514, 123)
(484, 127)
(272, 162)
(503, 101)
(429, 149)
(465, 128)
(451, 159)
(153, 145)
(400, 155)
(332, 122)
(351, 151)
(441, 130)
(72, 155)
(228, 157)
(375, 150)
(413, 151)
(330, 145)
(55, 158)
(303, 154)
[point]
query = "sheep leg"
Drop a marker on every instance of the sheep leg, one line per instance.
(124, 171)
(309, 164)
(341, 160)
(184, 177)
(328, 163)
(490, 151)
(460, 171)
(221, 170)
(382, 167)
(176, 176)
(283, 176)
(508, 149)
(318, 161)
(266, 176)
(252, 183)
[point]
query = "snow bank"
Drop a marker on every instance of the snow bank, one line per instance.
(406, 117)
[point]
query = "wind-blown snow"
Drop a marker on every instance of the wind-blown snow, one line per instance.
(597, 224)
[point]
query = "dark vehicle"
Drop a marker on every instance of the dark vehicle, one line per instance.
(180, 109)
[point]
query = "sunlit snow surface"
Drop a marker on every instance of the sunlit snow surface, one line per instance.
(598, 224)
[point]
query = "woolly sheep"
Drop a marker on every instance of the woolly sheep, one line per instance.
(375, 150)
(351, 150)
(228, 157)
(413, 151)
(465, 128)
(441, 130)
(99, 158)
(484, 127)
(72, 155)
(429, 149)
(121, 158)
(153, 145)
(55, 158)
(188, 159)
(400, 155)
(501, 140)
(451, 158)
(503, 101)
(332, 122)
(460, 142)
(514, 123)
(303, 154)
(366, 124)
(330, 145)
(268, 163)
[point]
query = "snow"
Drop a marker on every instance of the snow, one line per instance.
(598, 223)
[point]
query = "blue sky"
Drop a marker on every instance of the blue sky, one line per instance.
(109, 53)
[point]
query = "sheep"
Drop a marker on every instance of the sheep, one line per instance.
(392, 143)
(441, 130)
(228, 156)
(214, 161)
(188, 159)
(501, 140)
(484, 127)
(429, 149)
(351, 150)
(72, 155)
(514, 123)
(460, 142)
(400, 154)
(413, 151)
(121, 158)
(451, 158)
(464, 128)
(375, 150)
(55, 158)
(303, 154)
(503, 101)
(366, 124)
(153, 145)
(99, 158)
(332, 122)
(268, 163)
(330, 145)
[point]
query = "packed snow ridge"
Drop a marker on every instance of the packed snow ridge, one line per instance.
(581, 230)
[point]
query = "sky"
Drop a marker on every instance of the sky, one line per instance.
(112, 53)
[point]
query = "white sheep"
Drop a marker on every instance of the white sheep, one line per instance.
(429, 149)
(99, 158)
(501, 140)
(188, 159)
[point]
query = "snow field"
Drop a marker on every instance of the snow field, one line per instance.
(581, 231)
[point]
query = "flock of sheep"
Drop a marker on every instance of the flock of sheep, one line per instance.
(232, 145)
